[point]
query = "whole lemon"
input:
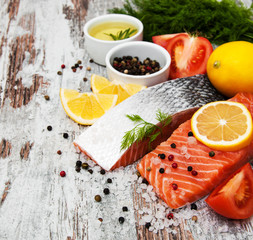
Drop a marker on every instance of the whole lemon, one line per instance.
(230, 68)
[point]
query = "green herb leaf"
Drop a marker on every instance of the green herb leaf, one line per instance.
(144, 129)
(219, 21)
(122, 34)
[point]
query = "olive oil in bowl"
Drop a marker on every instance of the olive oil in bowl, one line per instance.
(111, 31)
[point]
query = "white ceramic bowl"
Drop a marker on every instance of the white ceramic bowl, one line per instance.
(142, 50)
(97, 49)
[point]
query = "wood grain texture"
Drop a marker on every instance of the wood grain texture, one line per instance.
(36, 37)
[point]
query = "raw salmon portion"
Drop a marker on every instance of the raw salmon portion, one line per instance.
(180, 185)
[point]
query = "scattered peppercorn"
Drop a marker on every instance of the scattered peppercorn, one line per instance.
(121, 220)
(148, 225)
(74, 69)
(161, 170)
(91, 60)
(174, 165)
(100, 219)
(212, 154)
(190, 134)
(59, 152)
(49, 128)
(78, 169)
(102, 172)
(171, 157)
(79, 62)
(194, 218)
(145, 181)
(62, 173)
(65, 135)
(132, 66)
(63, 66)
(59, 73)
(88, 68)
(189, 168)
(173, 145)
(194, 173)
(174, 186)
(98, 198)
(194, 206)
(90, 171)
(109, 180)
(81, 67)
(170, 216)
(161, 155)
(124, 209)
(47, 97)
(76, 65)
(148, 169)
(85, 79)
(106, 191)
(78, 163)
(85, 165)
(138, 173)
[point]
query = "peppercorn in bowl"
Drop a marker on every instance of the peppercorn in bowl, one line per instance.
(107, 31)
(138, 62)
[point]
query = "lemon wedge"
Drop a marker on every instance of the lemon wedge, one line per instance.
(86, 108)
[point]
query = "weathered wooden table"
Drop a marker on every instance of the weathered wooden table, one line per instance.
(36, 37)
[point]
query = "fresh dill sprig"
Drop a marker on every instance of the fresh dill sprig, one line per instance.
(219, 21)
(122, 34)
(144, 129)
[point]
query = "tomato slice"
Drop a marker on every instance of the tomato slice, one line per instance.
(163, 40)
(189, 55)
(234, 197)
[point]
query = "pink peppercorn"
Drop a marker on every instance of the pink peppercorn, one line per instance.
(194, 173)
(171, 157)
(174, 165)
(74, 69)
(174, 186)
(62, 173)
(63, 66)
(170, 216)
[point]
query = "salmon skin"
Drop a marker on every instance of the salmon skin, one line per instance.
(181, 185)
(102, 141)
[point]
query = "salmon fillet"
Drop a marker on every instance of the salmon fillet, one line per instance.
(181, 170)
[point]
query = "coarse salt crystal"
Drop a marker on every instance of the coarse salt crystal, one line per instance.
(192, 140)
(156, 160)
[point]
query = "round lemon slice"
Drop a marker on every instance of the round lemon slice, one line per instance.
(86, 108)
(223, 125)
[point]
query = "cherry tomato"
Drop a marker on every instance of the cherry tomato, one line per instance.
(163, 40)
(189, 55)
(234, 197)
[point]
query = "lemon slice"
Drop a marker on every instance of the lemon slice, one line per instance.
(86, 108)
(102, 85)
(223, 125)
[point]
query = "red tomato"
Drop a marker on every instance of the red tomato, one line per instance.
(163, 40)
(234, 197)
(189, 55)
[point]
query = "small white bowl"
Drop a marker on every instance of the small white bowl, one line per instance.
(97, 49)
(142, 50)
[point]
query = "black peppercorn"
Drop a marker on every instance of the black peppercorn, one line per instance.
(212, 154)
(59, 73)
(109, 180)
(106, 191)
(189, 168)
(145, 181)
(190, 134)
(65, 135)
(121, 220)
(90, 171)
(124, 209)
(78, 169)
(78, 163)
(148, 225)
(173, 145)
(194, 206)
(161, 155)
(49, 128)
(102, 172)
(161, 170)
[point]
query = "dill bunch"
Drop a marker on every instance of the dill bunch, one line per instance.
(219, 21)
